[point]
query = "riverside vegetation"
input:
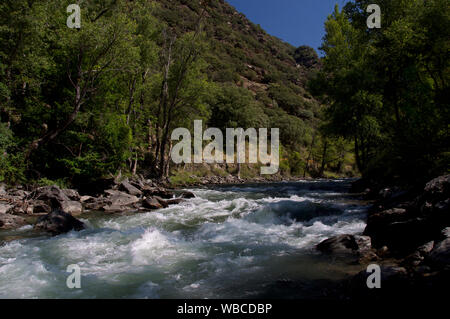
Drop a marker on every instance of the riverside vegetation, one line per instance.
(93, 109)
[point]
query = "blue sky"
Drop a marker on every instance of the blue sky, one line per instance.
(295, 21)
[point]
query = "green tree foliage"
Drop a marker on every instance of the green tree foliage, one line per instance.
(388, 88)
(77, 105)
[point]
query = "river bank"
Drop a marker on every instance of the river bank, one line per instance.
(408, 236)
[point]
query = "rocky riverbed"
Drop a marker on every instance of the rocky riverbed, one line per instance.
(408, 235)
(47, 206)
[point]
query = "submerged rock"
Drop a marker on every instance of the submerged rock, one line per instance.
(58, 222)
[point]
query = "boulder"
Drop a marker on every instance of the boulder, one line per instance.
(130, 189)
(72, 207)
(58, 222)
(8, 221)
(117, 198)
(5, 208)
(72, 194)
(49, 193)
(345, 244)
(187, 195)
(154, 202)
(151, 203)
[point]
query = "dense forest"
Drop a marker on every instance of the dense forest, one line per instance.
(80, 104)
(387, 88)
(77, 105)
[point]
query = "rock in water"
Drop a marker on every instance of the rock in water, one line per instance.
(344, 244)
(58, 222)
(187, 195)
(130, 189)
(155, 202)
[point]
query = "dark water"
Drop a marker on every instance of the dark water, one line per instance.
(230, 242)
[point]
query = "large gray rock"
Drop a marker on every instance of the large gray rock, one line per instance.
(72, 207)
(345, 244)
(49, 193)
(115, 201)
(117, 198)
(130, 189)
(58, 222)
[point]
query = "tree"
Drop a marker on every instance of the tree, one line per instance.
(385, 87)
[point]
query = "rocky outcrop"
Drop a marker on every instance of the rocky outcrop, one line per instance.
(411, 223)
(58, 222)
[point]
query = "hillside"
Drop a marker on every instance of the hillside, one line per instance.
(78, 105)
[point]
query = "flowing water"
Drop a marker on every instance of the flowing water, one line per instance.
(245, 241)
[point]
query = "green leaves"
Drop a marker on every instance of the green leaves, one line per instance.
(385, 86)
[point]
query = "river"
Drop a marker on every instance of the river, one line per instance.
(235, 241)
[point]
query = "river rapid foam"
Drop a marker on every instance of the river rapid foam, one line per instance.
(228, 242)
